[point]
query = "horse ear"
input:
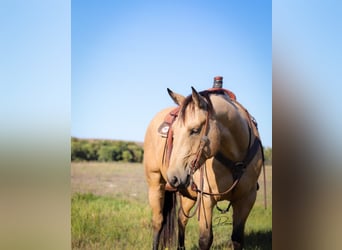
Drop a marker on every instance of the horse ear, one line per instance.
(177, 98)
(198, 99)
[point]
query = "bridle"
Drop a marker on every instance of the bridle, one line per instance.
(194, 165)
(237, 167)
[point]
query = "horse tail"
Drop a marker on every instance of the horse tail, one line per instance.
(168, 230)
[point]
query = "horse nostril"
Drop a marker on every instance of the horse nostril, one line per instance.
(174, 182)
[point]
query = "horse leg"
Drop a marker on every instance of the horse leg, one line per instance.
(205, 223)
(183, 217)
(156, 199)
(241, 210)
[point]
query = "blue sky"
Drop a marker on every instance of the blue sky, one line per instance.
(124, 54)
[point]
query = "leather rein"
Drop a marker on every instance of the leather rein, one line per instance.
(236, 167)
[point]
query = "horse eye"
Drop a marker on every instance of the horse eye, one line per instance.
(194, 131)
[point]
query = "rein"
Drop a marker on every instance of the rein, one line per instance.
(169, 140)
(237, 167)
(204, 141)
(195, 165)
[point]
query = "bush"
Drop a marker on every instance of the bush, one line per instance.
(127, 156)
(105, 153)
(105, 150)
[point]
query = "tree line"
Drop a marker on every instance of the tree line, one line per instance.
(105, 150)
(110, 150)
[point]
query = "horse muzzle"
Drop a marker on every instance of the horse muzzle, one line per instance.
(179, 179)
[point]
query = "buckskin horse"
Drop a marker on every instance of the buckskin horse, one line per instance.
(210, 151)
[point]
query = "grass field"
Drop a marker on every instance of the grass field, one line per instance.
(109, 210)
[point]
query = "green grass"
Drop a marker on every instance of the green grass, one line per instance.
(114, 223)
(109, 210)
(108, 223)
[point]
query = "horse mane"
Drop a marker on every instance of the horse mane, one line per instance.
(188, 102)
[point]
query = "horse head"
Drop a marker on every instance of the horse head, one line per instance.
(196, 137)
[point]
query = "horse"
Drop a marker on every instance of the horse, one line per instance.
(212, 152)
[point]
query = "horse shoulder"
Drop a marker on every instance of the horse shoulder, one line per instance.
(154, 144)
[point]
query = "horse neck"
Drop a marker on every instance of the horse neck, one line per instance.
(234, 128)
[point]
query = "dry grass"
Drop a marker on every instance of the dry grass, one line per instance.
(260, 196)
(128, 180)
(109, 179)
